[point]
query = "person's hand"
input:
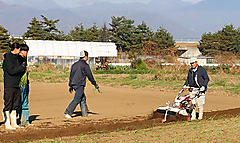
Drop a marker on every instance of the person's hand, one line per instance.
(70, 89)
(202, 89)
(24, 64)
(184, 87)
(96, 86)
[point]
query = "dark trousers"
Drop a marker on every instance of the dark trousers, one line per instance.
(11, 98)
(79, 98)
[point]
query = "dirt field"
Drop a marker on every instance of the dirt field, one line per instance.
(114, 108)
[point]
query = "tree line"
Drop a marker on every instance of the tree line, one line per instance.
(225, 40)
(138, 39)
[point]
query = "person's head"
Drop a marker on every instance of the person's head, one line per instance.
(194, 63)
(84, 55)
(24, 50)
(15, 47)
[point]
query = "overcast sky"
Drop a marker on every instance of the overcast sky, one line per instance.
(75, 3)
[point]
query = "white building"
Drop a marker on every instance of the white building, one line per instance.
(189, 52)
(67, 52)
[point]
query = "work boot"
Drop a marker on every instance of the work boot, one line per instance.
(6, 117)
(25, 117)
(200, 117)
(193, 115)
(13, 119)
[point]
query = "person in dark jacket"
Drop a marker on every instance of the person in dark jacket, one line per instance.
(198, 79)
(23, 109)
(77, 81)
(13, 71)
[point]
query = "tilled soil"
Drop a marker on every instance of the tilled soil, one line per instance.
(113, 109)
(73, 128)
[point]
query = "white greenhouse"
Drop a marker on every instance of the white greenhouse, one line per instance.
(67, 52)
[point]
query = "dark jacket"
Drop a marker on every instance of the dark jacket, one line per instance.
(79, 71)
(12, 69)
(202, 77)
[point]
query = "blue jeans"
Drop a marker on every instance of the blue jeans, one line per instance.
(23, 109)
(79, 98)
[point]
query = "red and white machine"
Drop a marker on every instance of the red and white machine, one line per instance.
(181, 105)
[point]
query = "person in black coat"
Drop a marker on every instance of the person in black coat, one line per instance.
(13, 71)
(77, 81)
(198, 79)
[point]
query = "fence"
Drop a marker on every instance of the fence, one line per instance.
(187, 40)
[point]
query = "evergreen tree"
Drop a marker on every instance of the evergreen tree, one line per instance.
(44, 30)
(227, 38)
(92, 34)
(208, 44)
(35, 30)
(77, 34)
(236, 47)
(122, 31)
(62, 37)
(104, 33)
(164, 40)
(4, 39)
(224, 40)
(50, 30)
(142, 34)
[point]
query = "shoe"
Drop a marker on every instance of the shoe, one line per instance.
(67, 116)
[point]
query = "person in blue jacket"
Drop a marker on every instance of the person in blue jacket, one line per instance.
(197, 78)
(23, 109)
(77, 81)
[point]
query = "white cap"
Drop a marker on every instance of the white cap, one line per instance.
(192, 60)
(82, 54)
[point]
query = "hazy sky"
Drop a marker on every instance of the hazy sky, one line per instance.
(75, 3)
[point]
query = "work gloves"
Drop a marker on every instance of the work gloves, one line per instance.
(184, 87)
(70, 89)
(24, 64)
(202, 89)
(96, 86)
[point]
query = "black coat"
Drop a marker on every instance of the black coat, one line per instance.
(79, 71)
(13, 70)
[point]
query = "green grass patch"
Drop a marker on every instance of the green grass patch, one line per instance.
(166, 78)
(219, 83)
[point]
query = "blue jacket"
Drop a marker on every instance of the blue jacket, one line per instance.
(202, 77)
(79, 71)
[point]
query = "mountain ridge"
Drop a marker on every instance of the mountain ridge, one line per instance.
(181, 19)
